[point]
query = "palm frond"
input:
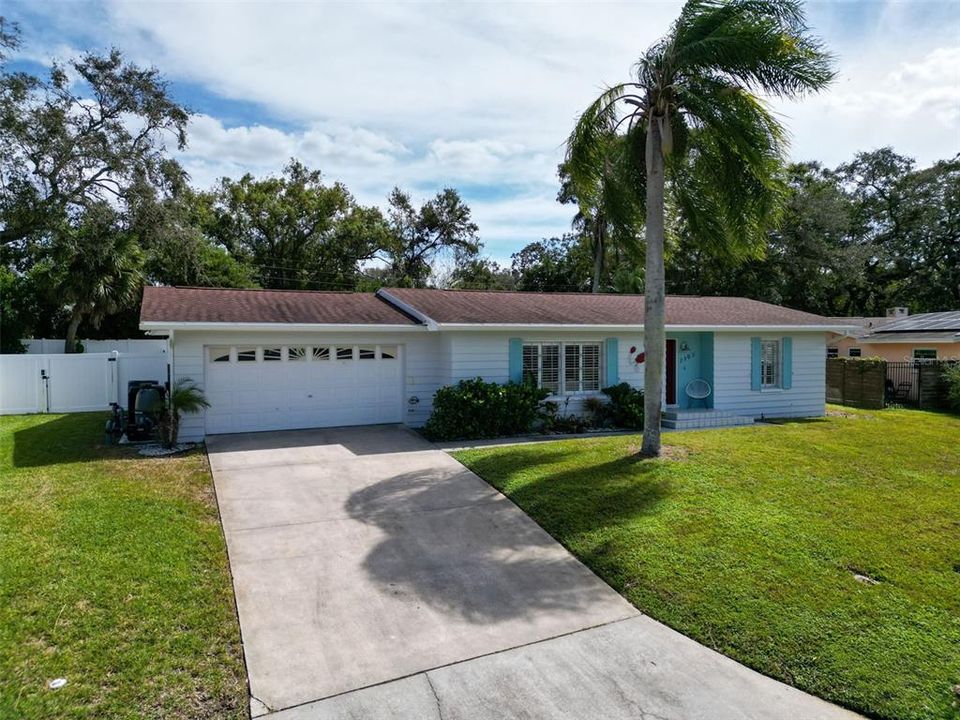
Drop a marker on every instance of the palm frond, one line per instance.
(187, 397)
(761, 45)
(587, 146)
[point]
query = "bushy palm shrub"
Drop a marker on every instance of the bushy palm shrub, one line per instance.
(626, 406)
(474, 409)
(185, 396)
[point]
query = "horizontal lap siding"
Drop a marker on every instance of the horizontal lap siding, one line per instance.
(486, 355)
(423, 371)
(732, 391)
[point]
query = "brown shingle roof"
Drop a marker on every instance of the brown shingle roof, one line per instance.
(216, 305)
(179, 304)
(469, 306)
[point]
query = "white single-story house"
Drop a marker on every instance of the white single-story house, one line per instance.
(276, 359)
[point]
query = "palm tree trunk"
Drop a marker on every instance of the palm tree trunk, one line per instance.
(654, 307)
(70, 344)
(598, 251)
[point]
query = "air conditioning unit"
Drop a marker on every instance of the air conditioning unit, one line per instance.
(897, 312)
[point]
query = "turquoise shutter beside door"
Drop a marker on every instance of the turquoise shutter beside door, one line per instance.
(787, 345)
(516, 360)
(754, 363)
(613, 361)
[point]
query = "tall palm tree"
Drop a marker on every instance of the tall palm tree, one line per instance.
(696, 116)
(609, 212)
(99, 270)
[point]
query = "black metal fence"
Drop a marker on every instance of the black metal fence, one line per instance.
(917, 383)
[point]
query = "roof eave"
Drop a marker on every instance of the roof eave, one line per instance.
(638, 327)
(154, 325)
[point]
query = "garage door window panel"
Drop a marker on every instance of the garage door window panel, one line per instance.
(296, 354)
(219, 354)
(246, 354)
(388, 352)
(367, 352)
(272, 354)
(321, 353)
(344, 353)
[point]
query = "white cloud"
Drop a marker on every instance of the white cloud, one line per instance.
(482, 96)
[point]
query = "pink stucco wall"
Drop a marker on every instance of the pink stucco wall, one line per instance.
(894, 351)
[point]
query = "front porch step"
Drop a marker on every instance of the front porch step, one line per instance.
(695, 419)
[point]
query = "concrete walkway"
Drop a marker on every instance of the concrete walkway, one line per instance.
(376, 577)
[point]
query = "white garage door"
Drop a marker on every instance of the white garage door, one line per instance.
(279, 387)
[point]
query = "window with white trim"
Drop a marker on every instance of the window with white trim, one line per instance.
(272, 354)
(344, 353)
(388, 352)
(541, 365)
(578, 364)
(295, 354)
(321, 353)
(924, 353)
(854, 352)
(770, 375)
(367, 352)
(581, 367)
(833, 352)
(219, 354)
(246, 354)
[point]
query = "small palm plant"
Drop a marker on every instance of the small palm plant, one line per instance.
(185, 397)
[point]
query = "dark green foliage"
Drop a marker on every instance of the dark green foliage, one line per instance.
(295, 231)
(626, 406)
(441, 227)
(481, 274)
(554, 265)
(474, 409)
(951, 376)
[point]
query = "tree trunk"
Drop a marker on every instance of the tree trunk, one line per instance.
(654, 307)
(598, 250)
(70, 344)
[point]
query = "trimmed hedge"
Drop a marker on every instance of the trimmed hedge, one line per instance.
(474, 409)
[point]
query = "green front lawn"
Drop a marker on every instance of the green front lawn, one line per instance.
(114, 575)
(750, 540)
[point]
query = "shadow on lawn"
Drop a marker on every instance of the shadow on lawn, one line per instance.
(62, 439)
(466, 551)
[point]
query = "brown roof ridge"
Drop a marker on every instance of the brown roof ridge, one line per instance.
(576, 293)
(262, 290)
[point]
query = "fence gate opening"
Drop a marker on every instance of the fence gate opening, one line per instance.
(917, 383)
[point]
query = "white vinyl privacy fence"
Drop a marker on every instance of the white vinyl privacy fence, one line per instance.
(73, 383)
(54, 346)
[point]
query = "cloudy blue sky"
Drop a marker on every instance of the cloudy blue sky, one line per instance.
(477, 96)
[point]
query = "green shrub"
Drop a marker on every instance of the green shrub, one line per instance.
(474, 409)
(551, 420)
(625, 406)
(598, 410)
(951, 376)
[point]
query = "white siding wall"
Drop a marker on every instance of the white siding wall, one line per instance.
(423, 370)
(486, 355)
(435, 359)
(732, 391)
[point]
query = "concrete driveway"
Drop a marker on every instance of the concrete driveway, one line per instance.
(376, 577)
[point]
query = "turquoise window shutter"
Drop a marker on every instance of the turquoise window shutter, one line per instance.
(787, 347)
(754, 363)
(516, 360)
(613, 361)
